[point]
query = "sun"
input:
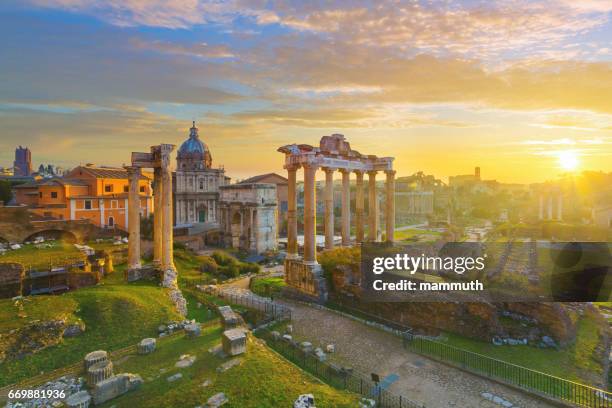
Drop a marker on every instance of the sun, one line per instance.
(568, 160)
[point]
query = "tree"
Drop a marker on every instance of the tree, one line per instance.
(6, 193)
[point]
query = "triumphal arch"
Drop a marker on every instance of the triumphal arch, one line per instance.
(303, 273)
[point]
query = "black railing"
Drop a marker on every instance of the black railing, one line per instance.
(525, 378)
(337, 377)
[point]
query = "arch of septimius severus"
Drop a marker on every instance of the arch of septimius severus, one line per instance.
(333, 154)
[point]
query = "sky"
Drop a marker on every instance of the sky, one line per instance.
(522, 89)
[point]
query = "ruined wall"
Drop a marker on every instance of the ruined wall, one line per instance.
(11, 280)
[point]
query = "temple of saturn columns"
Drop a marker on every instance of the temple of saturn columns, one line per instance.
(163, 258)
(334, 153)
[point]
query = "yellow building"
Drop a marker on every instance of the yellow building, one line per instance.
(97, 194)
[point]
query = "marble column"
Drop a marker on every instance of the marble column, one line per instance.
(372, 207)
(346, 207)
(390, 210)
(359, 206)
(157, 217)
(168, 239)
(541, 212)
(560, 207)
(329, 208)
(292, 247)
(133, 218)
(550, 207)
(310, 215)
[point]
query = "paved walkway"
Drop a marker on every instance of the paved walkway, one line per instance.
(370, 350)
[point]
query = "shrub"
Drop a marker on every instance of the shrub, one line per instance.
(209, 265)
(249, 267)
(223, 258)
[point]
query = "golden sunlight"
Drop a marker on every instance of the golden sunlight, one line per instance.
(568, 160)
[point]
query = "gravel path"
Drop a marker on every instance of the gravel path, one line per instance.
(370, 350)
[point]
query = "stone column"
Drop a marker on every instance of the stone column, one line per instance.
(157, 217)
(168, 239)
(329, 208)
(373, 207)
(346, 207)
(310, 214)
(560, 207)
(359, 206)
(253, 242)
(390, 211)
(541, 212)
(550, 207)
(133, 218)
(292, 247)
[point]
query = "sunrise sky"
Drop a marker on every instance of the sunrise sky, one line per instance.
(521, 88)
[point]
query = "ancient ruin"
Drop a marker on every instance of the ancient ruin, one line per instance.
(333, 154)
(163, 258)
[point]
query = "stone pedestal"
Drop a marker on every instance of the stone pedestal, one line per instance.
(193, 330)
(229, 318)
(234, 342)
(307, 278)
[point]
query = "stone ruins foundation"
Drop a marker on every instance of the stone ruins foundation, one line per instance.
(303, 273)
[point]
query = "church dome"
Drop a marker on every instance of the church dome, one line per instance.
(193, 153)
(193, 144)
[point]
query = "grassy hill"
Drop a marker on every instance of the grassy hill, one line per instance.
(115, 314)
(264, 379)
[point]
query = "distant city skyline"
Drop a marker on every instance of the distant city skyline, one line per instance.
(521, 89)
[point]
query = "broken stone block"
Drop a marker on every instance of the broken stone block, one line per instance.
(287, 337)
(306, 346)
(229, 318)
(95, 357)
(289, 329)
(186, 360)
(217, 400)
(146, 346)
(175, 377)
(229, 364)
(234, 342)
(331, 348)
(115, 386)
(320, 354)
(81, 399)
(192, 330)
(100, 371)
(304, 401)
(275, 335)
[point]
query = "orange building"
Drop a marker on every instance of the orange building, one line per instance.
(98, 194)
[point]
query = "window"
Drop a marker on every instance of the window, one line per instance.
(201, 184)
(40, 194)
(54, 194)
(108, 188)
(142, 189)
(87, 204)
(114, 204)
(126, 189)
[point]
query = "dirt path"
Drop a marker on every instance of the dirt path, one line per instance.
(370, 350)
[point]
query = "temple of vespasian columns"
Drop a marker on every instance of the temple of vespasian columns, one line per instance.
(163, 258)
(334, 153)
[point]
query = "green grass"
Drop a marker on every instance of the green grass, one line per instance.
(263, 379)
(267, 286)
(115, 314)
(60, 253)
(576, 362)
(414, 232)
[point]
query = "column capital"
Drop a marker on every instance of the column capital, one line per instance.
(359, 173)
(310, 166)
(345, 171)
(329, 169)
(132, 171)
(292, 167)
(372, 173)
(390, 172)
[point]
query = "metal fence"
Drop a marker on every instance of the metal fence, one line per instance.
(530, 380)
(334, 375)
(274, 311)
